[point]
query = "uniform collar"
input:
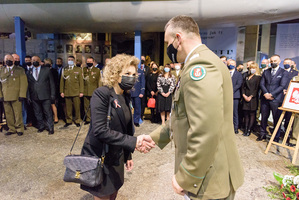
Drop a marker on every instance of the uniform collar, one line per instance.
(191, 52)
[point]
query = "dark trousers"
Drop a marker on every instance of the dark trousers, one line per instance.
(61, 108)
(136, 102)
(235, 116)
(266, 106)
(43, 114)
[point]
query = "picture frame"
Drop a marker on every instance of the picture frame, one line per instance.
(291, 99)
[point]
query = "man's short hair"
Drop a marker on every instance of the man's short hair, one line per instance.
(71, 57)
(59, 58)
(28, 57)
(223, 57)
(288, 59)
(182, 23)
(275, 55)
(90, 57)
(48, 60)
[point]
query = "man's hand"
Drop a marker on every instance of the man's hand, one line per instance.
(81, 95)
(62, 95)
(140, 95)
(284, 91)
(144, 143)
(268, 96)
(177, 189)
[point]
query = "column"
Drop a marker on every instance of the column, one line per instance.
(137, 45)
(20, 39)
(265, 40)
(251, 42)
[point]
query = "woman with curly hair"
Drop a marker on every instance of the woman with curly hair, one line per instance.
(119, 77)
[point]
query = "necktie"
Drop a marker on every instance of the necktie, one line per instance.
(36, 73)
(273, 72)
(231, 74)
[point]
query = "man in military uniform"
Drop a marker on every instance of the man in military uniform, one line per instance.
(176, 72)
(207, 163)
(92, 80)
(71, 89)
(13, 89)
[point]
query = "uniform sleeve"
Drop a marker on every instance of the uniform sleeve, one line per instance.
(81, 82)
(23, 84)
(204, 108)
(161, 135)
(61, 89)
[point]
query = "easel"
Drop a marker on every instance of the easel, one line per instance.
(284, 110)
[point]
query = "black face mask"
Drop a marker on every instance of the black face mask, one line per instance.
(59, 65)
(155, 69)
(9, 62)
(17, 63)
(142, 62)
(274, 65)
(89, 64)
(35, 63)
(28, 63)
(127, 82)
(48, 65)
(172, 53)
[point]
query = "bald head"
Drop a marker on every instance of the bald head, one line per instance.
(36, 61)
(16, 57)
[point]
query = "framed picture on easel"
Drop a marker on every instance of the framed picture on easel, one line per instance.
(291, 99)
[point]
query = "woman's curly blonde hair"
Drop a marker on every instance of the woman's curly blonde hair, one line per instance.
(116, 65)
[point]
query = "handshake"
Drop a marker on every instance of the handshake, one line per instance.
(144, 143)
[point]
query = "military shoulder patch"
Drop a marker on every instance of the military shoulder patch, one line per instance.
(197, 73)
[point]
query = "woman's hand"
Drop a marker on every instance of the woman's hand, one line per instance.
(129, 165)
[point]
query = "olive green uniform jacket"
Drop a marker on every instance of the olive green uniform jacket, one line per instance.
(71, 82)
(92, 80)
(207, 162)
(13, 84)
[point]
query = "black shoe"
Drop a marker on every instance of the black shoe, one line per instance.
(236, 132)
(67, 124)
(136, 124)
(40, 130)
(51, 132)
(25, 127)
(77, 124)
(56, 122)
(261, 137)
(9, 133)
(86, 123)
(290, 144)
(245, 132)
(20, 133)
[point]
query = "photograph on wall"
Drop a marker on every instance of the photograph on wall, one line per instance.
(291, 100)
(87, 49)
(97, 49)
(69, 48)
(59, 48)
(51, 47)
(79, 49)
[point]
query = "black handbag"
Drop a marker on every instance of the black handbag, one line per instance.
(86, 170)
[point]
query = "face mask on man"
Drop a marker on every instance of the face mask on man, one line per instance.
(263, 66)
(166, 69)
(48, 65)
(231, 67)
(17, 63)
(28, 64)
(59, 65)
(35, 63)
(127, 82)
(142, 62)
(70, 62)
(274, 65)
(240, 70)
(172, 53)
(89, 64)
(9, 62)
(287, 66)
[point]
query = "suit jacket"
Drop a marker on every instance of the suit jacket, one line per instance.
(139, 86)
(274, 85)
(292, 73)
(237, 81)
(13, 84)
(92, 80)
(251, 88)
(206, 156)
(71, 82)
(44, 87)
(118, 136)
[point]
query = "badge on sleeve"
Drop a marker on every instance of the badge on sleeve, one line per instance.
(197, 73)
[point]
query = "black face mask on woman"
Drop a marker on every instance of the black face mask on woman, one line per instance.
(127, 82)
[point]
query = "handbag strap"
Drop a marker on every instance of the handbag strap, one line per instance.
(105, 148)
